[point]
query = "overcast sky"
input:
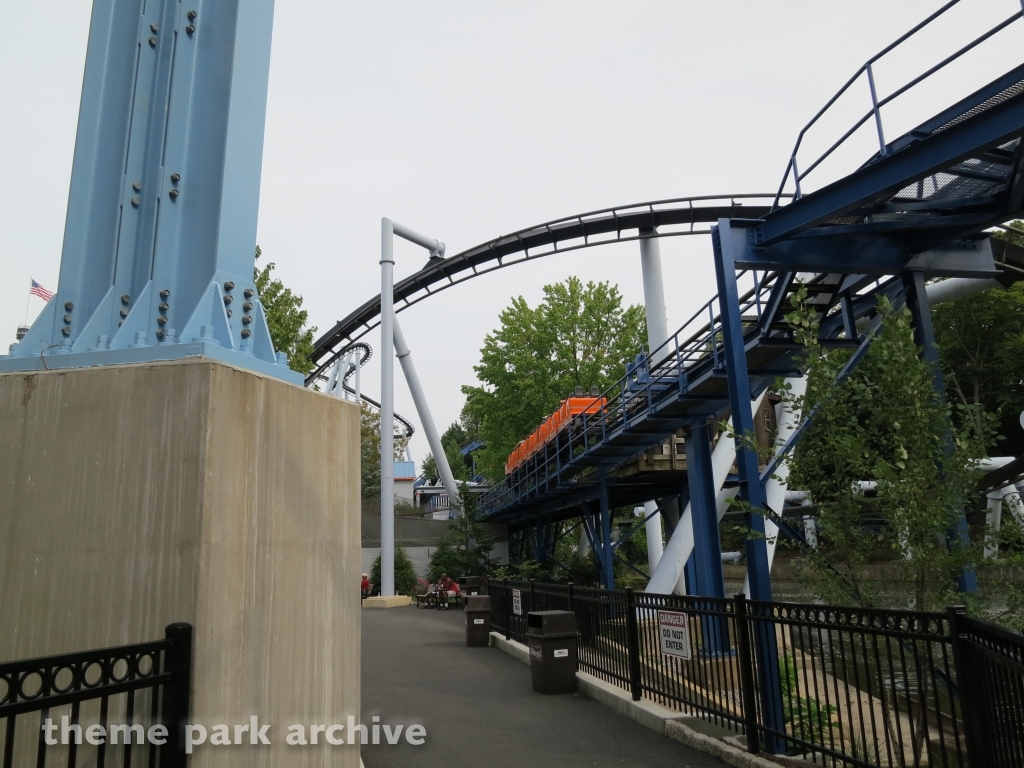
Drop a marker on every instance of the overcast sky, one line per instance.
(467, 120)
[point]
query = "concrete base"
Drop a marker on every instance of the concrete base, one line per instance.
(395, 601)
(136, 496)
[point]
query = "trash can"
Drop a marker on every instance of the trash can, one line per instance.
(478, 621)
(551, 636)
(470, 585)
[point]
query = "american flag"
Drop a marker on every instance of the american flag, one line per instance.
(38, 290)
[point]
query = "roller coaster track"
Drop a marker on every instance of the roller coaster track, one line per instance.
(659, 218)
(917, 208)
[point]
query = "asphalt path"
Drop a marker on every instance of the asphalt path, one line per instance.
(479, 709)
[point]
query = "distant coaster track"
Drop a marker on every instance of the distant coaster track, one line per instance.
(659, 218)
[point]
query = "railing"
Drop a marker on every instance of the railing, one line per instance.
(875, 110)
(848, 687)
(655, 378)
(993, 660)
(106, 706)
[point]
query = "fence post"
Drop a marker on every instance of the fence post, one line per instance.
(970, 708)
(633, 646)
(505, 600)
(177, 693)
(572, 608)
(533, 605)
(746, 659)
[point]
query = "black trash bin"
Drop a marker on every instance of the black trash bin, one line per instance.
(478, 621)
(470, 585)
(551, 636)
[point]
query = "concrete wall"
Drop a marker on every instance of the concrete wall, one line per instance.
(136, 496)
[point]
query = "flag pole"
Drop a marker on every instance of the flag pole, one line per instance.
(28, 299)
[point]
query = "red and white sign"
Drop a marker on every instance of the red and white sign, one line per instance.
(674, 633)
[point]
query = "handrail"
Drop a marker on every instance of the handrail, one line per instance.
(876, 103)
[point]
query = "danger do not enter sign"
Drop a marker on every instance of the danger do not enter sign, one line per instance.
(674, 633)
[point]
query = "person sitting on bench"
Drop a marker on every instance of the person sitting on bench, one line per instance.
(446, 588)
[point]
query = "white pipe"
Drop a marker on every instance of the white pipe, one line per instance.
(655, 543)
(657, 334)
(584, 548)
(388, 230)
(811, 531)
(359, 368)
(387, 409)
(959, 287)
(1011, 496)
(787, 417)
(654, 293)
(433, 439)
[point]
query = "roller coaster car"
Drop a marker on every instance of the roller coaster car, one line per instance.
(568, 412)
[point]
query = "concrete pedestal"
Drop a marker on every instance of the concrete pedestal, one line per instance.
(394, 601)
(136, 496)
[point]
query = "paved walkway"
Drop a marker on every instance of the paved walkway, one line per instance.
(479, 708)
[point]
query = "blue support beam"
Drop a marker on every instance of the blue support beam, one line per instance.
(751, 490)
(924, 337)
(706, 579)
(861, 254)
(707, 547)
(607, 553)
(160, 234)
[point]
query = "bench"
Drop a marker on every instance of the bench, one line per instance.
(430, 599)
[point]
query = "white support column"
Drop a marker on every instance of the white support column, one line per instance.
(387, 409)
(388, 230)
(994, 520)
(787, 417)
(426, 420)
(657, 334)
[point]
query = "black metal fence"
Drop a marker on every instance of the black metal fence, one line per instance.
(833, 686)
(108, 706)
(993, 660)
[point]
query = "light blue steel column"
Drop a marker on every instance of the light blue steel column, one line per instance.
(751, 490)
(160, 232)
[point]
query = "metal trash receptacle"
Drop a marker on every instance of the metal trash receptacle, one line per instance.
(478, 621)
(551, 636)
(470, 585)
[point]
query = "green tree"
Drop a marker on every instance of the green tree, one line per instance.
(458, 435)
(369, 455)
(886, 424)
(580, 335)
(464, 550)
(285, 317)
(406, 580)
(981, 345)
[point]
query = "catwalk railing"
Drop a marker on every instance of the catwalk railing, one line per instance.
(654, 382)
(856, 687)
(866, 77)
(106, 706)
